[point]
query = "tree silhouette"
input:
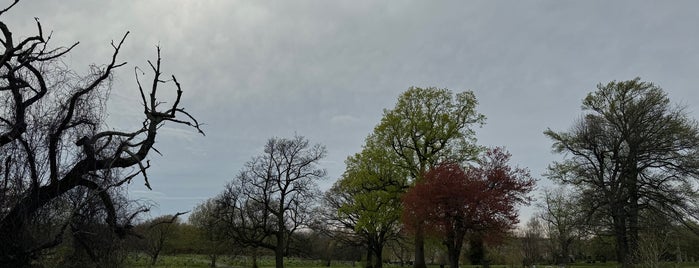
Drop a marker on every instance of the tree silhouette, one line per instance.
(53, 140)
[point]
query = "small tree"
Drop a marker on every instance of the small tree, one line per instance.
(156, 233)
(452, 202)
(564, 221)
(210, 228)
(532, 242)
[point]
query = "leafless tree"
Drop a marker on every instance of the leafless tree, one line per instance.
(157, 232)
(53, 139)
(273, 196)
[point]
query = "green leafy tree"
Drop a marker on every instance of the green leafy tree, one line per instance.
(371, 187)
(426, 127)
(632, 151)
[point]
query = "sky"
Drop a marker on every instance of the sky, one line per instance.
(326, 70)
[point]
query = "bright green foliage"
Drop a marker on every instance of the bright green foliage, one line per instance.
(372, 186)
(428, 126)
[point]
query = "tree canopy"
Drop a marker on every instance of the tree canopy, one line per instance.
(451, 202)
(426, 127)
(631, 153)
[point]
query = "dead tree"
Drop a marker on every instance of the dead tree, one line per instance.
(53, 140)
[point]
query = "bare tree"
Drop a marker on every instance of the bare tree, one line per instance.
(157, 232)
(53, 139)
(273, 195)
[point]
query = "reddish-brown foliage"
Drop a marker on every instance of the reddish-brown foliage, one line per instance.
(451, 202)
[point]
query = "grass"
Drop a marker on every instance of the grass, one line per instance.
(170, 261)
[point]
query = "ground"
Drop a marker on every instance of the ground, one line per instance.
(225, 262)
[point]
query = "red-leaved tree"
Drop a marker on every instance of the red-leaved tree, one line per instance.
(451, 202)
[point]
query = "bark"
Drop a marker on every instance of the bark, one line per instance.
(454, 243)
(378, 253)
(279, 250)
(419, 248)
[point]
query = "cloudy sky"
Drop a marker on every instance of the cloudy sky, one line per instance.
(252, 70)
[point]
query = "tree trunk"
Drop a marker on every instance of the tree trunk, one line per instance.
(453, 255)
(622, 248)
(477, 251)
(454, 242)
(154, 258)
(279, 252)
(369, 254)
(378, 252)
(632, 232)
(419, 248)
(213, 260)
(254, 258)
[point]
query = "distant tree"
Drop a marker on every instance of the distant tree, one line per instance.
(532, 242)
(273, 196)
(452, 202)
(211, 228)
(367, 199)
(564, 221)
(156, 233)
(53, 139)
(631, 152)
(426, 127)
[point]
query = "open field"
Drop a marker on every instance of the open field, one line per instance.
(169, 261)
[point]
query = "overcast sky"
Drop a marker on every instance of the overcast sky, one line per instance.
(251, 70)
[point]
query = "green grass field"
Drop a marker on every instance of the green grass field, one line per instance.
(268, 262)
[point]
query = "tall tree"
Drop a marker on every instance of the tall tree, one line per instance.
(273, 196)
(453, 202)
(53, 139)
(368, 199)
(428, 126)
(632, 151)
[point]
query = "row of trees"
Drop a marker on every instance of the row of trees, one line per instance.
(559, 233)
(631, 160)
(419, 172)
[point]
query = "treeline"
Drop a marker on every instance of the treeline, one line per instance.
(630, 170)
